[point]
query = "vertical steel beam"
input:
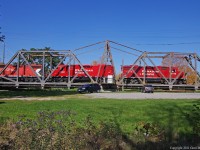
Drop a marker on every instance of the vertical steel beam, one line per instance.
(43, 66)
(122, 70)
(18, 65)
(170, 68)
(144, 80)
(107, 56)
(69, 72)
(51, 62)
(196, 73)
(102, 62)
(111, 58)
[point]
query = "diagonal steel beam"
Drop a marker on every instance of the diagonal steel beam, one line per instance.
(6, 68)
(30, 66)
(157, 69)
(191, 65)
(140, 57)
(8, 79)
(82, 68)
(9, 63)
(177, 77)
(72, 80)
(56, 67)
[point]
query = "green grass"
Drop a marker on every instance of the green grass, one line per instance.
(169, 113)
(36, 93)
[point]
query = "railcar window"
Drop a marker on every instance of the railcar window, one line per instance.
(173, 70)
(164, 68)
(87, 66)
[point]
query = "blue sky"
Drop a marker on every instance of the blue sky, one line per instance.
(150, 25)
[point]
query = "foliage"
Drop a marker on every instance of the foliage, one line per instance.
(58, 130)
(36, 57)
(182, 64)
(174, 61)
(95, 62)
(114, 123)
(191, 76)
(194, 118)
(128, 112)
(149, 132)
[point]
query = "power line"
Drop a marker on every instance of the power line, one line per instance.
(126, 46)
(123, 51)
(183, 43)
(88, 46)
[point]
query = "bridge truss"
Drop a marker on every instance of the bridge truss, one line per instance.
(67, 57)
(43, 77)
(149, 59)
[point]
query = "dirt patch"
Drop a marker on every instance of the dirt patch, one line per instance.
(33, 98)
(135, 96)
(49, 98)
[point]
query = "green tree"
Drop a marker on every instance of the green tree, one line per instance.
(51, 58)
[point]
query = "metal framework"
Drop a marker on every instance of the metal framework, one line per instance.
(106, 59)
(190, 60)
(25, 58)
(69, 58)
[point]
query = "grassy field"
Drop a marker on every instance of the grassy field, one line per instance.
(171, 114)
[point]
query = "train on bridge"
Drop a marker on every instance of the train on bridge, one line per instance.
(101, 73)
(152, 74)
(62, 68)
(30, 73)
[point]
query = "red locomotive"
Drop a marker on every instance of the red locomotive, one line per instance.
(25, 72)
(101, 72)
(152, 74)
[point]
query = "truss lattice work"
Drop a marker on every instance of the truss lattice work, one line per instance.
(68, 58)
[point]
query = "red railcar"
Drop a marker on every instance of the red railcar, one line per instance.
(152, 74)
(25, 72)
(102, 72)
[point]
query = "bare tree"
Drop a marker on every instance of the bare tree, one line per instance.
(180, 62)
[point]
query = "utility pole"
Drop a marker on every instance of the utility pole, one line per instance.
(2, 39)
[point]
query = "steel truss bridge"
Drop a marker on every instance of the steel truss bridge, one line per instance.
(69, 57)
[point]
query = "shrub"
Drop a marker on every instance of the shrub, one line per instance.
(194, 118)
(58, 130)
